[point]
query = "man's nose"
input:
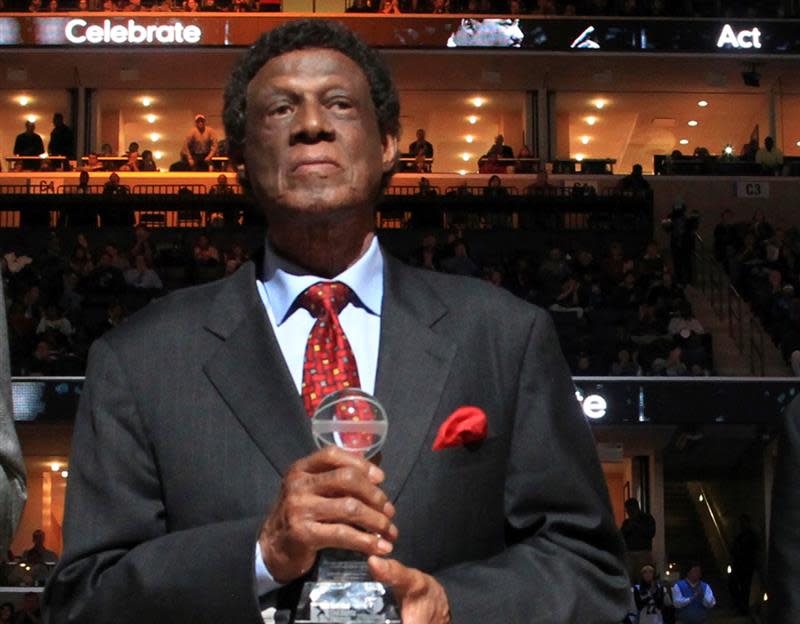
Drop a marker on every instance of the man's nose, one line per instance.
(311, 124)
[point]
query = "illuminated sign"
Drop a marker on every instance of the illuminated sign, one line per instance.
(594, 406)
(744, 39)
(78, 31)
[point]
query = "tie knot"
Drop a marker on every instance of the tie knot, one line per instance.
(322, 297)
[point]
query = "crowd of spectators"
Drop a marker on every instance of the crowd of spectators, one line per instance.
(627, 8)
(616, 312)
(61, 299)
(763, 262)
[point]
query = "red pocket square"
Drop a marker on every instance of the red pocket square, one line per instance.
(467, 424)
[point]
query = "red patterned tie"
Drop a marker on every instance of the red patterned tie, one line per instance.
(329, 363)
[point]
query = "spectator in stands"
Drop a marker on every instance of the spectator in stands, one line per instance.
(359, 6)
(672, 365)
(651, 264)
(105, 278)
(626, 295)
(389, 7)
(118, 260)
(148, 163)
(201, 144)
(142, 276)
(542, 184)
(92, 163)
(726, 238)
(653, 600)
(54, 319)
(685, 323)
(29, 143)
(770, 158)
(460, 262)
(682, 226)
(424, 188)
(106, 150)
(625, 365)
(500, 148)
(182, 164)
(614, 266)
(234, 258)
(143, 246)
(760, 227)
(132, 164)
(634, 182)
(83, 183)
(222, 187)
(749, 150)
(62, 139)
(133, 150)
(70, 301)
(692, 597)
(421, 144)
(495, 188)
(113, 187)
(81, 261)
(35, 6)
(569, 299)
(204, 251)
(38, 554)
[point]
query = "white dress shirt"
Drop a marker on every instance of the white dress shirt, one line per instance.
(283, 282)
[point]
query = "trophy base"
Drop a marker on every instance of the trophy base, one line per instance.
(344, 593)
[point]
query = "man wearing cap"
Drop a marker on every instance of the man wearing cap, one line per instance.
(201, 144)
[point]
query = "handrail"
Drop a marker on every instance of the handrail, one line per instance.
(722, 543)
(756, 346)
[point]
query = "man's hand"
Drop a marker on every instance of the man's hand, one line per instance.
(330, 499)
(422, 599)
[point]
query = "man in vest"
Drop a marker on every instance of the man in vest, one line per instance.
(692, 597)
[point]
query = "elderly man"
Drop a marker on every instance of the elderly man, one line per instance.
(195, 491)
(12, 476)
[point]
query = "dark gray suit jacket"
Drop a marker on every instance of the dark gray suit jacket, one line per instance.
(189, 418)
(784, 536)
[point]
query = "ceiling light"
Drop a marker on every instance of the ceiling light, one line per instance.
(477, 102)
(151, 118)
(147, 101)
(465, 156)
(591, 120)
(684, 141)
(158, 154)
(32, 118)
(65, 473)
(599, 104)
(579, 157)
(55, 466)
(693, 123)
(472, 119)
(728, 149)
(23, 100)
(469, 138)
(462, 172)
(154, 137)
(702, 103)
(585, 140)
(797, 144)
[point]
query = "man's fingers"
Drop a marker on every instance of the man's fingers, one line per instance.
(343, 536)
(344, 482)
(391, 572)
(332, 457)
(349, 510)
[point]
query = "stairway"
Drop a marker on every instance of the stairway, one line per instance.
(686, 541)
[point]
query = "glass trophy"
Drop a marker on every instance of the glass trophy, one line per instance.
(344, 591)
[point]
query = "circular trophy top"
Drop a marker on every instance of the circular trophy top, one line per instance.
(351, 419)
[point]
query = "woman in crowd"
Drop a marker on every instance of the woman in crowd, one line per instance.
(653, 602)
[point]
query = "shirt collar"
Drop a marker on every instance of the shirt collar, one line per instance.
(285, 281)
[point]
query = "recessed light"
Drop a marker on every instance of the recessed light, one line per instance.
(147, 101)
(797, 144)
(579, 157)
(65, 473)
(32, 118)
(585, 140)
(599, 104)
(591, 120)
(472, 119)
(469, 138)
(151, 118)
(154, 137)
(684, 141)
(692, 123)
(728, 149)
(55, 466)
(23, 100)
(477, 102)
(158, 154)
(465, 156)
(702, 103)
(462, 172)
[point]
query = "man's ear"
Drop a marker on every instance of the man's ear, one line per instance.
(390, 152)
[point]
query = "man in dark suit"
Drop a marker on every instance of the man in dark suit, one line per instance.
(195, 492)
(784, 540)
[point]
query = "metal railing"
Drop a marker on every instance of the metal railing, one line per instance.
(744, 328)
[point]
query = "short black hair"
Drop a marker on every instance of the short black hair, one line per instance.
(302, 35)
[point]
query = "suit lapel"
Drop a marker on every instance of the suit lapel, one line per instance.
(249, 372)
(413, 365)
